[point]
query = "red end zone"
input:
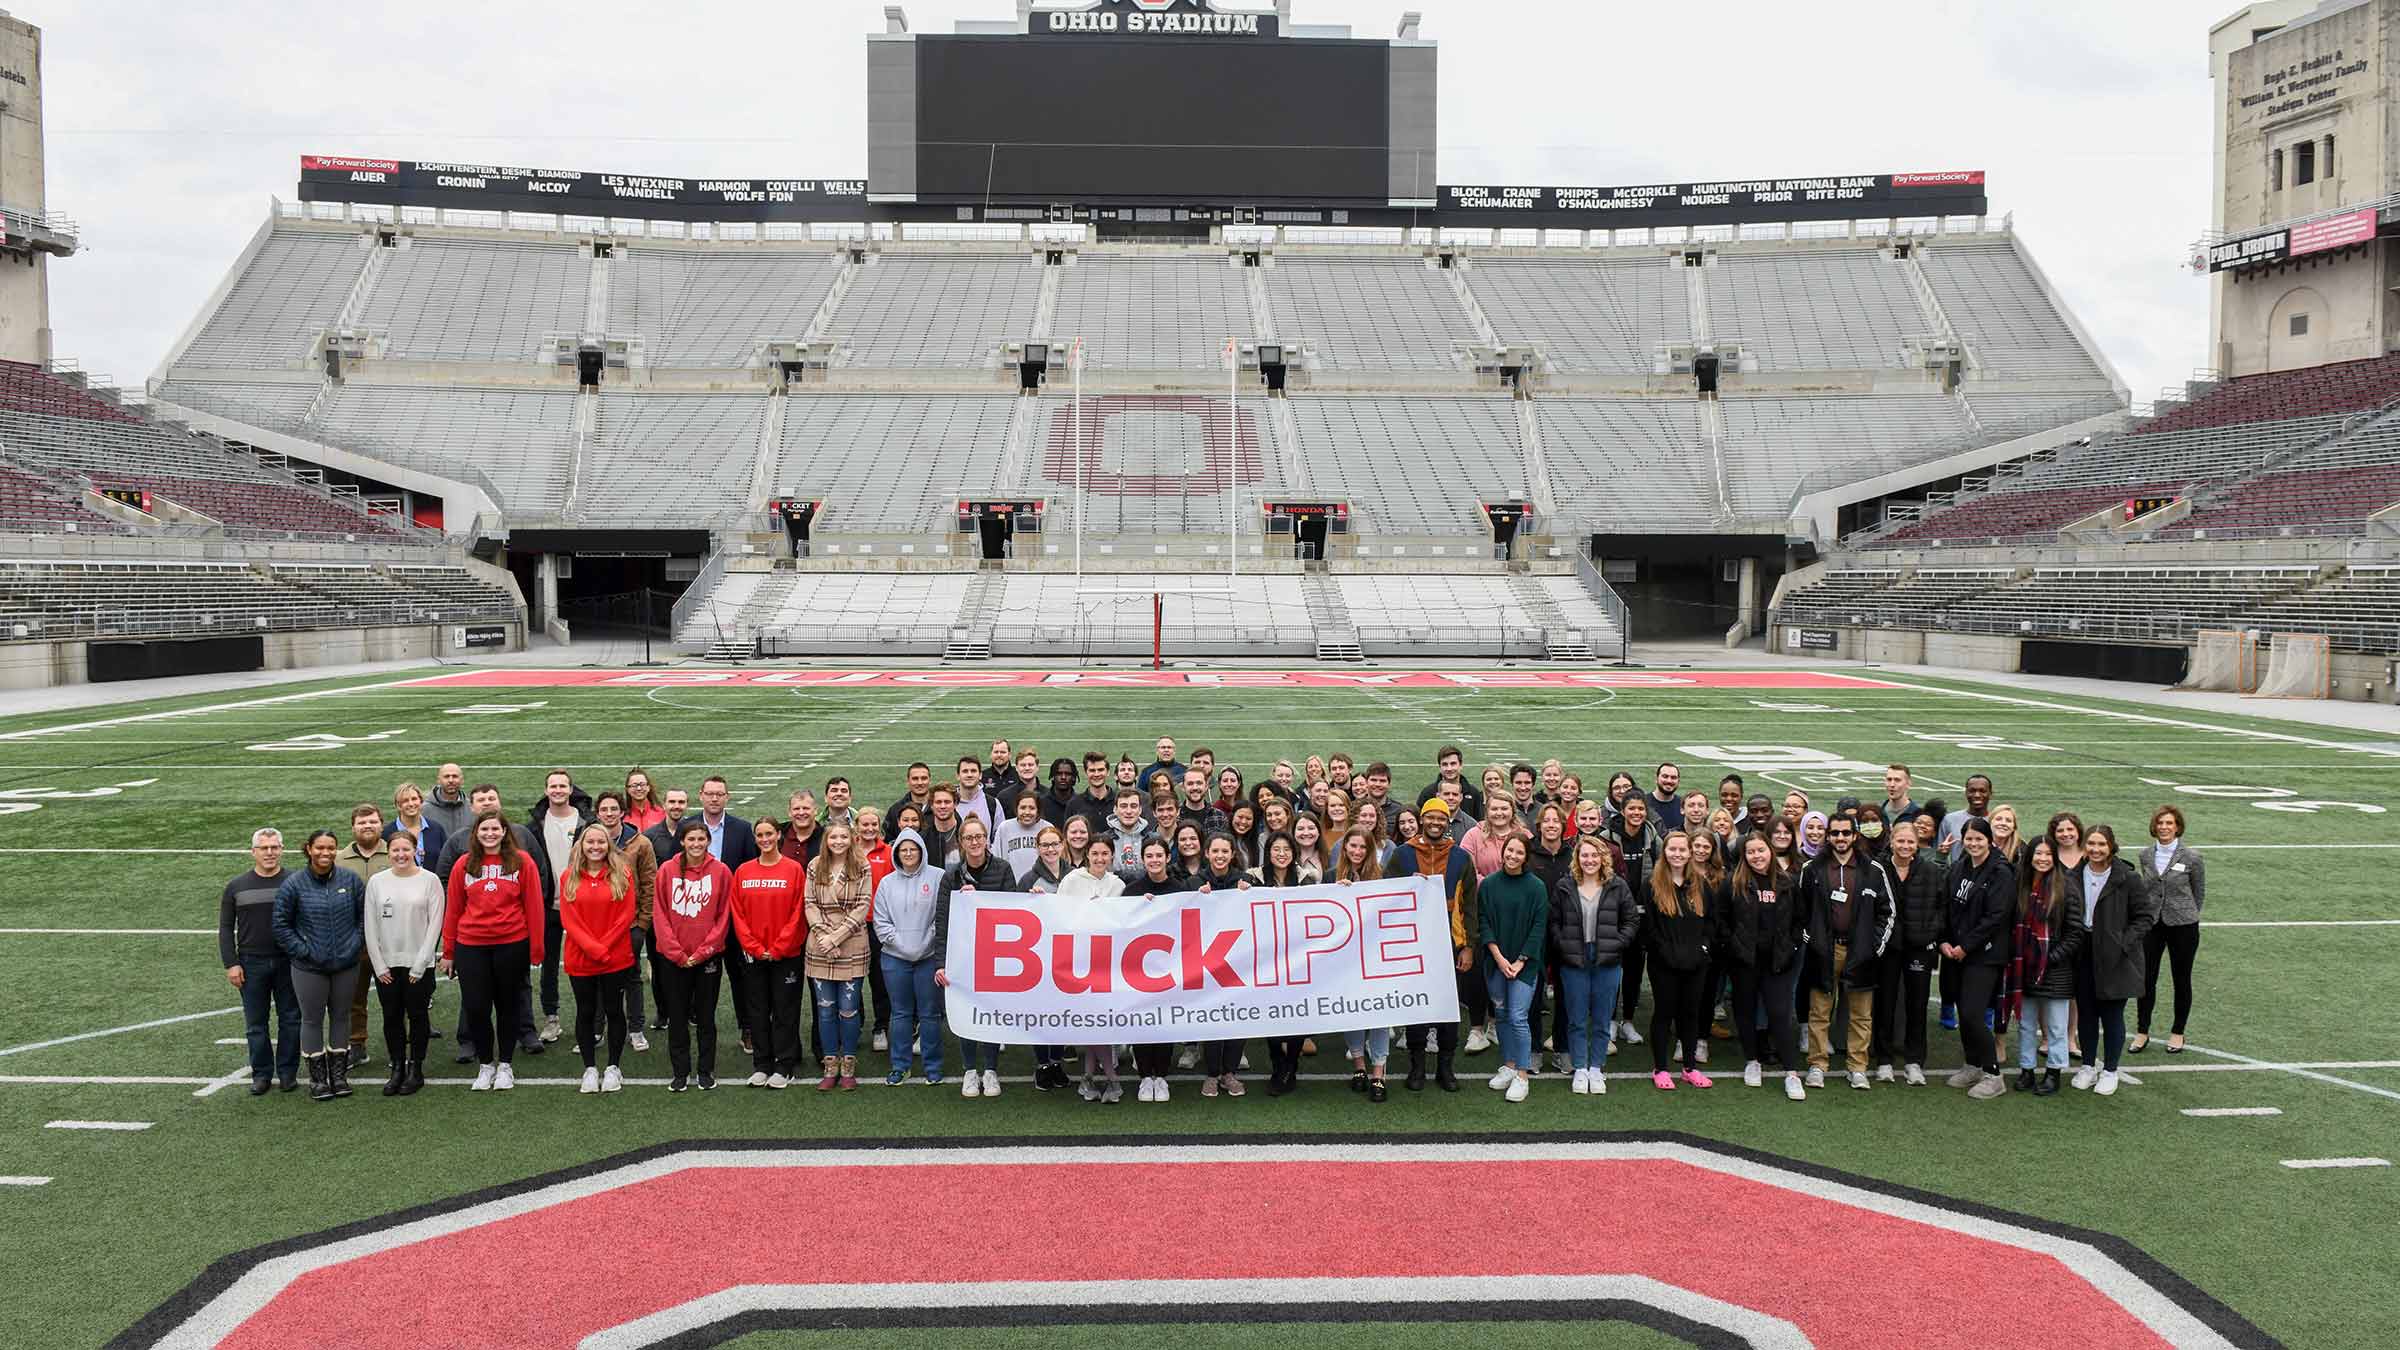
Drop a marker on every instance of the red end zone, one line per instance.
(507, 678)
(706, 1241)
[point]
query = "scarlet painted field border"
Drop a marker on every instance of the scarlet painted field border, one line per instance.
(221, 1275)
(506, 677)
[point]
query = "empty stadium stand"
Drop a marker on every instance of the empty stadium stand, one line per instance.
(2357, 611)
(1831, 310)
(669, 458)
(1155, 463)
(1781, 440)
(950, 309)
(52, 598)
(1368, 313)
(712, 307)
(1628, 465)
(521, 438)
(291, 288)
(443, 299)
(889, 463)
(1586, 316)
(1414, 465)
(1172, 312)
(2343, 387)
(1996, 304)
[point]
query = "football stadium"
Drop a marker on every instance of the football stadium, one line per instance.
(1190, 683)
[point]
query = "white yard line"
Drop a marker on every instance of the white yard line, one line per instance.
(2302, 923)
(2213, 1112)
(2154, 720)
(127, 1125)
(114, 1031)
(216, 1085)
(24, 1181)
(2294, 1069)
(209, 851)
(67, 727)
(99, 1080)
(2311, 1164)
(106, 932)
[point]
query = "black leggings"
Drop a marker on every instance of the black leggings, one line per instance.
(598, 997)
(491, 983)
(1629, 990)
(1154, 1061)
(774, 992)
(687, 998)
(1976, 985)
(2180, 943)
(1675, 1001)
(1900, 998)
(1749, 986)
(1218, 1058)
(407, 1015)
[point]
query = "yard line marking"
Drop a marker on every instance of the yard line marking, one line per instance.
(2286, 737)
(97, 1125)
(2306, 1164)
(2295, 1070)
(2210, 1112)
(193, 712)
(125, 850)
(106, 932)
(24, 1181)
(101, 1080)
(233, 1040)
(217, 1085)
(137, 1026)
(2302, 923)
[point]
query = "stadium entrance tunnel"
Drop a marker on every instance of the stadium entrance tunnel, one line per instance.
(1212, 1229)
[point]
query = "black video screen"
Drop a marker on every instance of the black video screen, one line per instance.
(1072, 118)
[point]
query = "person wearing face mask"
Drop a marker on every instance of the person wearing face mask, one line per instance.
(1982, 898)
(1908, 972)
(1849, 903)
(2120, 912)
(914, 928)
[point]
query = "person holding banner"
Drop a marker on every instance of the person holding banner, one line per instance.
(1515, 930)
(1221, 1061)
(914, 928)
(1045, 874)
(1097, 879)
(1154, 1061)
(1432, 854)
(1280, 868)
(1358, 860)
(977, 868)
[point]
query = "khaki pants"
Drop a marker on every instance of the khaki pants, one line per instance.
(1861, 1006)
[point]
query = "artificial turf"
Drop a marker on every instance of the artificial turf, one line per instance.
(130, 1217)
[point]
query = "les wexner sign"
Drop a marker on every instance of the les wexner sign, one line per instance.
(496, 187)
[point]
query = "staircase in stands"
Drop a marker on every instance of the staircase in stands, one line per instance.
(978, 613)
(1337, 636)
(1555, 627)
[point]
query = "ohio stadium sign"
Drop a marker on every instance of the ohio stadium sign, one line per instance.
(1150, 19)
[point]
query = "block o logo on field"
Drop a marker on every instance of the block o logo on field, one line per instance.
(1702, 1241)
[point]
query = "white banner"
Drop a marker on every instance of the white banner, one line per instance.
(1217, 966)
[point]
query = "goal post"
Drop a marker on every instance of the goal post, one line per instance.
(2223, 659)
(2299, 665)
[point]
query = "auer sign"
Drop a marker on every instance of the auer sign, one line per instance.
(1151, 19)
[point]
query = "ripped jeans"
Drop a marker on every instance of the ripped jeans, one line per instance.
(837, 1015)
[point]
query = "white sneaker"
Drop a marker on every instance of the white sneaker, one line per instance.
(1159, 1093)
(1479, 1041)
(550, 1031)
(1627, 1034)
(991, 1082)
(1966, 1077)
(1792, 1088)
(1143, 1093)
(1518, 1087)
(1562, 1061)
(1816, 1077)
(1188, 1057)
(506, 1079)
(2107, 1086)
(1915, 1075)
(1610, 1050)
(970, 1084)
(612, 1079)
(1582, 1086)
(1599, 1082)
(1500, 1078)
(1754, 1074)
(758, 1079)
(1858, 1081)
(1700, 1050)
(1113, 1093)
(483, 1080)
(883, 1040)
(1090, 1091)
(1883, 1073)
(2083, 1079)
(591, 1081)
(778, 1081)
(639, 1042)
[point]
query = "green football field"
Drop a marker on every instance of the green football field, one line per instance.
(119, 826)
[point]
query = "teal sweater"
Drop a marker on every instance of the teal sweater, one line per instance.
(1516, 919)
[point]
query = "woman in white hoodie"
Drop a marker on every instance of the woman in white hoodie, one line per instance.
(404, 936)
(914, 931)
(1097, 879)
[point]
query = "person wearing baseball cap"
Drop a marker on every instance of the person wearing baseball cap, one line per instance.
(1432, 854)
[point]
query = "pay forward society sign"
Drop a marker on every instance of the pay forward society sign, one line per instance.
(1224, 965)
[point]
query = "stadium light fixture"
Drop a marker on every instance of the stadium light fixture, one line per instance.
(895, 19)
(1409, 22)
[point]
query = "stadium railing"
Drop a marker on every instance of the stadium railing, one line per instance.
(424, 459)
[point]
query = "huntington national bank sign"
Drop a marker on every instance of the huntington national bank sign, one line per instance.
(1161, 19)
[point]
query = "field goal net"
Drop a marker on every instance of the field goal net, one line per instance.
(2224, 659)
(2299, 665)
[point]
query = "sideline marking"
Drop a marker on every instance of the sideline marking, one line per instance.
(2210, 1112)
(513, 678)
(2309, 1164)
(2294, 1069)
(106, 932)
(217, 1085)
(97, 1125)
(137, 1026)
(2158, 721)
(126, 850)
(67, 727)
(24, 1181)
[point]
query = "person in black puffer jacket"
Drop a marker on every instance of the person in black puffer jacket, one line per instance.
(2049, 934)
(1983, 897)
(1547, 854)
(1763, 932)
(1918, 899)
(320, 923)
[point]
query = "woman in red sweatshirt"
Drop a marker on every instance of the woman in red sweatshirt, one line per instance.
(768, 919)
(595, 915)
(688, 925)
(491, 935)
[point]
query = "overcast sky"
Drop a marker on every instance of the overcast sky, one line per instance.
(171, 126)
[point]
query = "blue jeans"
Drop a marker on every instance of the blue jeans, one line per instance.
(916, 1012)
(980, 1054)
(1375, 1043)
(1512, 1004)
(268, 979)
(2052, 1013)
(1591, 1004)
(837, 1015)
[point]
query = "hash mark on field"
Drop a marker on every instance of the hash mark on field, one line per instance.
(128, 1125)
(216, 1085)
(2210, 1112)
(2311, 1164)
(24, 1181)
(111, 1031)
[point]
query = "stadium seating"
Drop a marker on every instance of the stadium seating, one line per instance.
(1413, 465)
(1167, 313)
(1045, 615)
(2141, 603)
(2316, 501)
(1633, 465)
(2357, 611)
(281, 404)
(292, 289)
(954, 309)
(2343, 387)
(1781, 440)
(521, 438)
(1839, 596)
(1368, 313)
(890, 463)
(2023, 514)
(1999, 309)
(713, 308)
(1879, 598)
(1155, 463)
(1834, 310)
(29, 502)
(1586, 317)
(29, 388)
(1470, 614)
(55, 599)
(444, 299)
(669, 458)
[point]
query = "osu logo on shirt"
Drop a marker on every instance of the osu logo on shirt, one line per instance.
(692, 895)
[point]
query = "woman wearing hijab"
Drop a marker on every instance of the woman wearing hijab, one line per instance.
(2178, 883)
(2120, 912)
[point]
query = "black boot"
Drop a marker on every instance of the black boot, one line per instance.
(320, 1078)
(1416, 1068)
(337, 1065)
(1442, 1076)
(1376, 1091)
(2024, 1080)
(397, 1079)
(2048, 1086)
(414, 1081)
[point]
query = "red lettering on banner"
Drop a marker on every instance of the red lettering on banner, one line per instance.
(1022, 945)
(1199, 961)
(1096, 980)
(1314, 928)
(1137, 970)
(1398, 925)
(1263, 970)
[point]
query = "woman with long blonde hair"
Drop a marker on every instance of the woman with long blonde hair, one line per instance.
(835, 959)
(1679, 934)
(595, 915)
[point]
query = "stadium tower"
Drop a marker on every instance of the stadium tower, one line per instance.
(32, 234)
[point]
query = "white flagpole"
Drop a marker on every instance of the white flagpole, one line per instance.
(1233, 437)
(1075, 359)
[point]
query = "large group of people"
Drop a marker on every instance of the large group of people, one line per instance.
(1807, 934)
